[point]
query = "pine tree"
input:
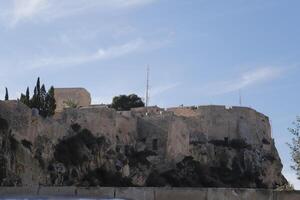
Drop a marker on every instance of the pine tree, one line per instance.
(6, 94)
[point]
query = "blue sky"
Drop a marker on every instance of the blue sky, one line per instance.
(199, 52)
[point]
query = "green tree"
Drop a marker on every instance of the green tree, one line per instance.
(23, 99)
(295, 145)
(41, 100)
(38, 86)
(34, 103)
(27, 97)
(50, 102)
(124, 102)
(6, 94)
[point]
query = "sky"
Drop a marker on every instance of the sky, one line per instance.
(200, 52)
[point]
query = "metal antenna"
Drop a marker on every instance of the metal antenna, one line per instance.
(147, 87)
(240, 97)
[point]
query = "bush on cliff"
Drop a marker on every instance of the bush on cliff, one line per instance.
(77, 149)
(102, 177)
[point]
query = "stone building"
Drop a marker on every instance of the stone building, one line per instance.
(77, 96)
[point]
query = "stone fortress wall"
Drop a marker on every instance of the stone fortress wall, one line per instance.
(232, 123)
(212, 122)
(173, 129)
(172, 133)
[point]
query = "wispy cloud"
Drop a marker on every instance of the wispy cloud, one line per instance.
(25, 10)
(155, 91)
(100, 54)
(244, 80)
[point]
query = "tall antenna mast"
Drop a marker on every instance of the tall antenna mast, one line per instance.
(147, 87)
(240, 97)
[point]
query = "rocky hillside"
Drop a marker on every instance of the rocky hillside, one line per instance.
(102, 147)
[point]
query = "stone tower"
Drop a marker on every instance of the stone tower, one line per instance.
(80, 96)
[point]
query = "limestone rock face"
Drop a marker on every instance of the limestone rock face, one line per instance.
(208, 146)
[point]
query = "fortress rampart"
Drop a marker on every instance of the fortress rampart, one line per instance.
(201, 123)
(215, 136)
(203, 146)
(173, 127)
(220, 122)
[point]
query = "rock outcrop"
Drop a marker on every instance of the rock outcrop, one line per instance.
(208, 146)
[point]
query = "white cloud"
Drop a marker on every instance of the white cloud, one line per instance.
(24, 10)
(244, 80)
(101, 54)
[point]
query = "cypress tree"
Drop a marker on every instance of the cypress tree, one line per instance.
(34, 99)
(38, 86)
(23, 99)
(6, 94)
(41, 100)
(27, 97)
(43, 93)
(43, 105)
(50, 102)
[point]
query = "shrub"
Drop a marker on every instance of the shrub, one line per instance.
(155, 180)
(76, 127)
(77, 149)
(124, 102)
(102, 177)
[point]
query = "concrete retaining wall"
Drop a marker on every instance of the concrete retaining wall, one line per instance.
(149, 193)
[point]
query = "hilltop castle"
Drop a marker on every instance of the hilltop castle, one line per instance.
(232, 145)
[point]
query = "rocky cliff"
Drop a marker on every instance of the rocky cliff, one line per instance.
(209, 146)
